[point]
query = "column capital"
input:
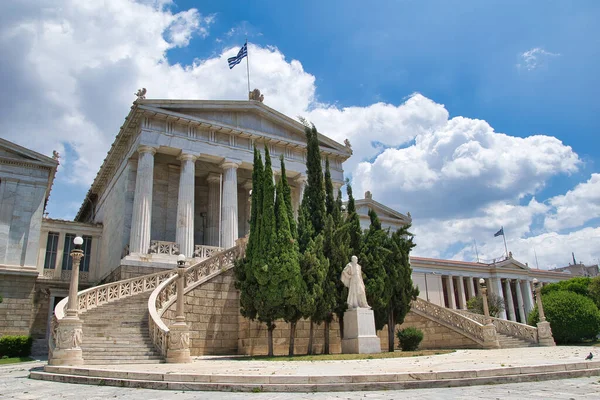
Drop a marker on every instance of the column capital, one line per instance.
(187, 157)
(231, 163)
(146, 149)
(213, 178)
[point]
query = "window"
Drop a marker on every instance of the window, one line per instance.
(67, 263)
(51, 250)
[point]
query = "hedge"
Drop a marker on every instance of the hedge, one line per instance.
(572, 317)
(15, 346)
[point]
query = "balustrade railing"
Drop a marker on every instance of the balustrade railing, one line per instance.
(162, 247)
(469, 327)
(166, 293)
(506, 327)
(202, 251)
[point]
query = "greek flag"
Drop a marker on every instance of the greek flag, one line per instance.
(233, 61)
(500, 232)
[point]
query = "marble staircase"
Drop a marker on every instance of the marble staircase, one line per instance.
(117, 333)
(510, 342)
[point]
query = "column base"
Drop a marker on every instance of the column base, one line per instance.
(359, 332)
(179, 344)
(545, 337)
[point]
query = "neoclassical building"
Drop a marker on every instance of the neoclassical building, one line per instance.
(177, 180)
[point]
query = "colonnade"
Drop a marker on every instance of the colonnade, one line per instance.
(459, 289)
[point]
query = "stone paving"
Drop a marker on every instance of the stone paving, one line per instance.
(14, 384)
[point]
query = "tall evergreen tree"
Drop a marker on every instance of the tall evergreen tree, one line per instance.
(314, 195)
(329, 199)
(287, 193)
(373, 258)
(399, 280)
(353, 223)
(244, 268)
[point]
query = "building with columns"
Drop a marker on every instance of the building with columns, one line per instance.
(177, 179)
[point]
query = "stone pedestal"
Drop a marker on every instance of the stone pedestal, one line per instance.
(490, 339)
(545, 337)
(67, 340)
(178, 350)
(359, 332)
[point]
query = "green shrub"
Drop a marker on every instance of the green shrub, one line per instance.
(572, 317)
(579, 285)
(594, 290)
(495, 305)
(409, 338)
(15, 346)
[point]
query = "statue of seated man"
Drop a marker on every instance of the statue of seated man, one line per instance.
(352, 279)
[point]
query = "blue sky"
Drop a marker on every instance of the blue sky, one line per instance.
(485, 112)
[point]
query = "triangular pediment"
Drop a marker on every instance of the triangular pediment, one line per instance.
(244, 116)
(383, 212)
(511, 263)
(14, 152)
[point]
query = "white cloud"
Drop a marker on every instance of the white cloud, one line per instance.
(71, 69)
(576, 207)
(534, 58)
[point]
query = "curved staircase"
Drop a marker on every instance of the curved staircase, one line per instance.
(117, 333)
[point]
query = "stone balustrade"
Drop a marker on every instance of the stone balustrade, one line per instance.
(166, 293)
(201, 251)
(162, 247)
(506, 327)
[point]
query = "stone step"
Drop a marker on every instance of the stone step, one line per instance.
(118, 361)
(118, 353)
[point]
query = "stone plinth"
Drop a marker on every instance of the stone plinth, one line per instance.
(545, 337)
(359, 332)
(67, 340)
(178, 350)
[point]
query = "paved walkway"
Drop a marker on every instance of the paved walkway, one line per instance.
(14, 384)
(461, 360)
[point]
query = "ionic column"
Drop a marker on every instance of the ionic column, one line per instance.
(462, 300)
(497, 286)
(139, 240)
(336, 188)
(213, 212)
(247, 187)
(229, 213)
(471, 287)
(520, 302)
(185, 205)
(509, 300)
(451, 298)
(300, 186)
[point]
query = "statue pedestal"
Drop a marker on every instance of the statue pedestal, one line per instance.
(359, 332)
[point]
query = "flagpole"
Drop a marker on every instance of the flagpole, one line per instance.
(504, 237)
(476, 252)
(248, 66)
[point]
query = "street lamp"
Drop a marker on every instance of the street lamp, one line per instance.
(180, 316)
(77, 255)
(486, 309)
(178, 348)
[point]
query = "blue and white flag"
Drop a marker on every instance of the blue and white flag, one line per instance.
(500, 232)
(233, 61)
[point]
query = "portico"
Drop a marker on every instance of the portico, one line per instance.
(178, 178)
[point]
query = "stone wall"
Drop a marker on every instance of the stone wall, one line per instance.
(435, 335)
(212, 313)
(17, 308)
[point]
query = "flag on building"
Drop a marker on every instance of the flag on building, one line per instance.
(233, 61)
(500, 232)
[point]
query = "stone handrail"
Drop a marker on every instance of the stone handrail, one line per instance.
(166, 294)
(505, 327)
(202, 251)
(469, 327)
(103, 294)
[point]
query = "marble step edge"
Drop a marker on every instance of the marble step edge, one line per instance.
(326, 384)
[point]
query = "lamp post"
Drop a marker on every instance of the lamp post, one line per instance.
(67, 334)
(486, 308)
(76, 255)
(178, 350)
(545, 337)
(490, 339)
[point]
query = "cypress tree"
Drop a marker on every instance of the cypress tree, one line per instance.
(287, 193)
(353, 223)
(399, 272)
(314, 195)
(269, 300)
(329, 200)
(244, 268)
(373, 258)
